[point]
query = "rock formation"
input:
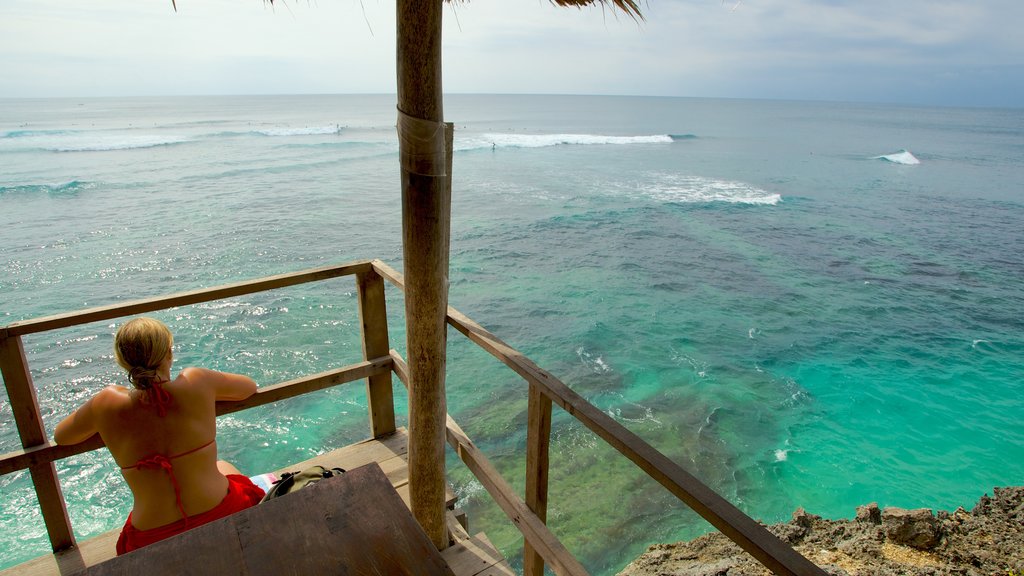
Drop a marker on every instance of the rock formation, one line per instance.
(987, 541)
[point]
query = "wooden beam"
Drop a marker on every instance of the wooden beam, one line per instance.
(22, 395)
(538, 440)
(373, 322)
(533, 528)
(425, 230)
(182, 299)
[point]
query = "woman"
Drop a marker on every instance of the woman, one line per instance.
(161, 432)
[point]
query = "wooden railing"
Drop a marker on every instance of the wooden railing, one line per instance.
(527, 514)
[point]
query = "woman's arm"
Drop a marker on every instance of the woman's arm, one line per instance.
(225, 385)
(79, 426)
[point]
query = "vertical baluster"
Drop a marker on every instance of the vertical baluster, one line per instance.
(22, 395)
(373, 320)
(538, 440)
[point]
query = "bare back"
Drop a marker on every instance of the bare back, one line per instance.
(130, 424)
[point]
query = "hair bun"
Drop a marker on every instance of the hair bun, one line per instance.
(141, 377)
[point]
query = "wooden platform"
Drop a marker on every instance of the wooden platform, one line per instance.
(468, 555)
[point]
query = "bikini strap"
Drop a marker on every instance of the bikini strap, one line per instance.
(158, 462)
(159, 397)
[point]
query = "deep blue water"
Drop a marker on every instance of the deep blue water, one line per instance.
(751, 286)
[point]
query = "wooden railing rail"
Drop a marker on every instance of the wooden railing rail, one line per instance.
(50, 452)
(775, 554)
(29, 421)
(135, 307)
(38, 454)
(531, 526)
(545, 388)
(529, 514)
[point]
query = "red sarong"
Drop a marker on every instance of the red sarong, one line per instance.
(242, 493)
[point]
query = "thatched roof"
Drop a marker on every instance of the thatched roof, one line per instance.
(628, 6)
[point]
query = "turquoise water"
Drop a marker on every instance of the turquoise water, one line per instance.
(748, 285)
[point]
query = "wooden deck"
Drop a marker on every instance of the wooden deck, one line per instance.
(467, 556)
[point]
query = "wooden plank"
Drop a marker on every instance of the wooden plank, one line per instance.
(358, 454)
(388, 452)
(48, 452)
(538, 440)
(373, 322)
(449, 495)
(74, 560)
(21, 393)
(350, 524)
(775, 554)
(475, 556)
(498, 569)
(542, 540)
(134, 307)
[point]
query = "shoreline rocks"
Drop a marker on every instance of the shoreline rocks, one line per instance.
(987, 541)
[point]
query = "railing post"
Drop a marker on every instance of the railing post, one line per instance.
(373, 320)
(538, 439)
(25, 404)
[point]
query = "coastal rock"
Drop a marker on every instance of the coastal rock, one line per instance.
(869, 513)
(895, 542)
(914, 528)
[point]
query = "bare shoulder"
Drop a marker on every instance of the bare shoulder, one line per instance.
(195, 375)
(111, 395)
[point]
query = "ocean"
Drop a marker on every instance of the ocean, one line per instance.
(805, 304)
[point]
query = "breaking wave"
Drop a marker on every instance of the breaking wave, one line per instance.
(64, 189)
(901, 157)
(84, 141)
(106, 140)
(304, 131)
(546, 140)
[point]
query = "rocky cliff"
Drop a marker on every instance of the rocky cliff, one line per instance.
(987, 541)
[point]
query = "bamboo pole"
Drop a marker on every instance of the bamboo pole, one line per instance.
(425, 230)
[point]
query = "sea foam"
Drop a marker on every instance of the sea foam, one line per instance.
(304, 131)
(901, 157)
(697, 189)
(84, 141)
(546, 140)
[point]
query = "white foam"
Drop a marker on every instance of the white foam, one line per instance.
(781, 455)
(96, 142)
(305, 131)
(596, 364)
(901, 157)
(545, 140)
(697, 189)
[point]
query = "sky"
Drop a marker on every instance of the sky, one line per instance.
(923, 52)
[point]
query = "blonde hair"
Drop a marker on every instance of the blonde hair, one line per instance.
(140, 346)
